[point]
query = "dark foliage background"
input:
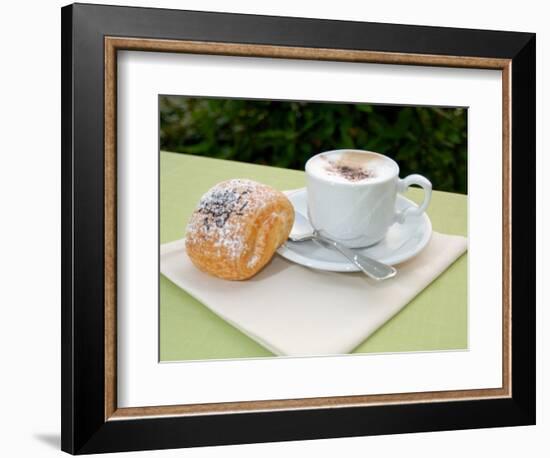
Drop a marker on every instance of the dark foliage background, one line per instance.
(426, 140)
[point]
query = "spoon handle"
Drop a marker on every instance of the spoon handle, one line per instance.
(370, 267)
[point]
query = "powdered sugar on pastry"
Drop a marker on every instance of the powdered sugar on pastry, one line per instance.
(220, 211)
(236, 228)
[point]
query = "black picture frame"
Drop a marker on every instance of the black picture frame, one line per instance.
(84, 427)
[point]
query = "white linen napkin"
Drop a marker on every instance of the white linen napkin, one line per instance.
(292, 310)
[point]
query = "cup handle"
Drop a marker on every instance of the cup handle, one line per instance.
(403, 185)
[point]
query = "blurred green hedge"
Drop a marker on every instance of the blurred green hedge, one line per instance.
(426, 140)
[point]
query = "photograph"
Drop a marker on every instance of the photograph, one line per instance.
(294, 228)
(283, 228)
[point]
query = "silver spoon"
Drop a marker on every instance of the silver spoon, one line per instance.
(302, 231)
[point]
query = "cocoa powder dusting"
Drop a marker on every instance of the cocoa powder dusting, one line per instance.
(348, 172)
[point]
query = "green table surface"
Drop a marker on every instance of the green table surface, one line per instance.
(435, 320)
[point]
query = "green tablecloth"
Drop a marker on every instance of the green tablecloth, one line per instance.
(435, 320)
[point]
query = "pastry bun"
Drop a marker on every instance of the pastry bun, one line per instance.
(237, 227)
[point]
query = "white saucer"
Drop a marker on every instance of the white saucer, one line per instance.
(402, 242)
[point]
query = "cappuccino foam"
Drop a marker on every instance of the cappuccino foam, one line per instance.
(351, 167)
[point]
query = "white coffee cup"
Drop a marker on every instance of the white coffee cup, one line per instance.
(351, 195)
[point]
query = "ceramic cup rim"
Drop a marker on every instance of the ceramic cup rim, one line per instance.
(351, 183)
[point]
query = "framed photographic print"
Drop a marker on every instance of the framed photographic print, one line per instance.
(284, 228)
